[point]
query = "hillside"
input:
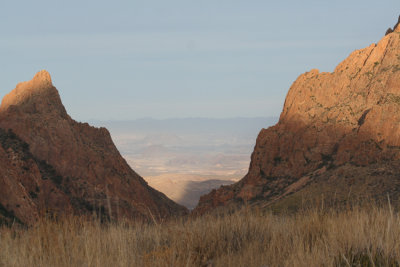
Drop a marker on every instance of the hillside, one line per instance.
(91, 174)
(28, 185)
(338, 135)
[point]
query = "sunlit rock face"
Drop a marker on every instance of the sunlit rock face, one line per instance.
(93, 175)
(349, 117)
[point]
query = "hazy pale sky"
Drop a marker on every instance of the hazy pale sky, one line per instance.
(209, 58)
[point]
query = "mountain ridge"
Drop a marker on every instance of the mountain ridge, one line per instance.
(85, 157)
(348, 116)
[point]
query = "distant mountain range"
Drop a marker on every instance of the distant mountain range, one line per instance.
(238, 125)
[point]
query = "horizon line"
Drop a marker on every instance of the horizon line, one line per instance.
(182, 118)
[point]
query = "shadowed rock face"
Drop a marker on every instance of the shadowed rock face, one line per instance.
(91, 170)
(348, 117)
(28, 186)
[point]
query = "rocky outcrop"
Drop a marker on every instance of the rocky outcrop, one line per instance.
(390, 30)
(92, 175)
(348, 117)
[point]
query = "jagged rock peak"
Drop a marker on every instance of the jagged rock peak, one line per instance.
(43, 77)
(36, 95)
(89, 173)
(396, 27)
(41, 80)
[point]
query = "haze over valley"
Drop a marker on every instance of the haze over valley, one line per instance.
(186, 158)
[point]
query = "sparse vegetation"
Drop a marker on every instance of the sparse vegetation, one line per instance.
(396, 68)
(369, 74)
(352, 237)
(393, 98)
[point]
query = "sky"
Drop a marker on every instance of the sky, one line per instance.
(122, 60)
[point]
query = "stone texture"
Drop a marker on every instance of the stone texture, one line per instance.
(29, 187)
(350, 116)
(92, 171)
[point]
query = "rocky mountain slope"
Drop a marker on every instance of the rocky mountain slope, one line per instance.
(28, 185)
(337, 131)
(89, 173)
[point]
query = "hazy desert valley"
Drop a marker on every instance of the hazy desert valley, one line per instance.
(187, 158)
(318, 186)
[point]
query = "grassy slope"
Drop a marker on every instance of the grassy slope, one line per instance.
(310, 238)
(342, 186)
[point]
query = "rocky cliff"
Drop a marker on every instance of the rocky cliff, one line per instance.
(91, 176)
(28, 186)
(332, 124)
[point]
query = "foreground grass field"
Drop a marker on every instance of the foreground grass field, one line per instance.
(368, 236)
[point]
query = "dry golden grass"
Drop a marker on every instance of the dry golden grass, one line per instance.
(368, 236)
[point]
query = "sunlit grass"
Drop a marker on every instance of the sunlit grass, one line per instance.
(367, 236)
